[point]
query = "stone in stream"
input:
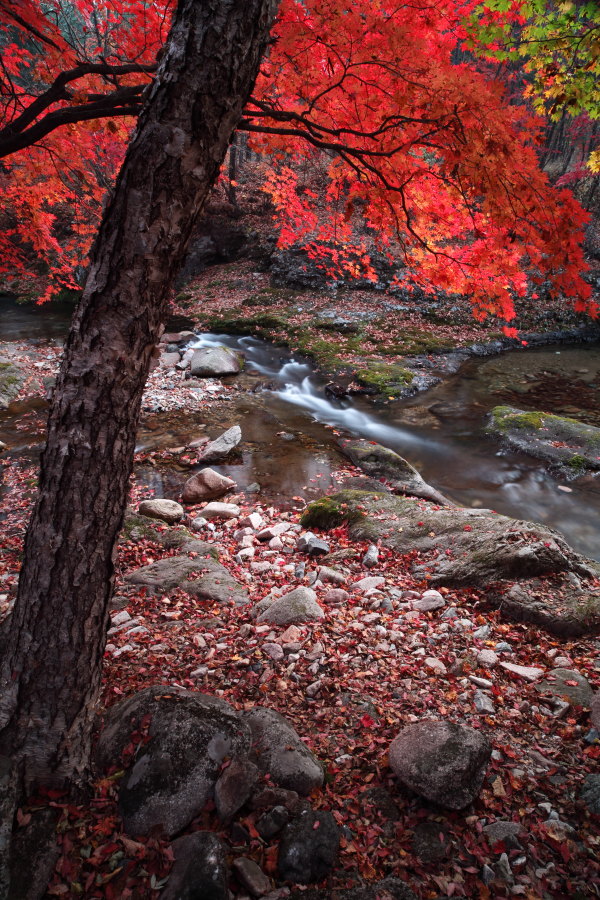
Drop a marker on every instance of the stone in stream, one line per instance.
(221, 447)
(442, 761)
(206, 485)
(381, 462)
(167, 510)
(215, 361)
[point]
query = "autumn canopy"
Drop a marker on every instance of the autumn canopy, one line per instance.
(422, 156)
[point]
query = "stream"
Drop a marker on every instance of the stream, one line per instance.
(290, 427)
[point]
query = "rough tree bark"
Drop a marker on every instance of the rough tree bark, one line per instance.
(50, 673)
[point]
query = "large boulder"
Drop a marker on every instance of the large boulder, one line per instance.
(206, 485)
(204, 578)
(381, 462)
(215, 361)
(174, 774)
(295, 607)
(441, 761)
(456, 546)
(199, 869)
(569, 685)
(309, 848)
(566, 442)
(166, 510)
(12, 379)
(278, 751)
(221, 447)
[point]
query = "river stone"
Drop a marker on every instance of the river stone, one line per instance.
(484, 547)
(299, 605)
(221, 447)
(167, 510)
(309, 848)
(529, 673)
(175, 772)
(555, 439)
(381, 462)
(430, 601)
(557, 684)
(200, 869)
(215, 361)
(441, 761)
(206, 485)
(220, 511)
(204, 578)
(278, 751)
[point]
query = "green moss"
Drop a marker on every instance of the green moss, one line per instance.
(385, 377)
(577, 462)
(138, 528)
(503, 418)
(259, 325)
(330, 512)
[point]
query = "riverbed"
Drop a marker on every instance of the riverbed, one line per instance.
(290, 427)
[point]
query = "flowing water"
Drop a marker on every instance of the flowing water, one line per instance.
(290, 429)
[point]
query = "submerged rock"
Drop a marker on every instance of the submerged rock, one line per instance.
(380, 462)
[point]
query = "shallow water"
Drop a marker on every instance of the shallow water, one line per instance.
(290, 428)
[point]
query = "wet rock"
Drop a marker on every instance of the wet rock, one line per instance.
(590, 793)
(34, 851)
(167, 510)
(203, 577)
(299, 605)
(234, 787)
(381, 462)
(441, 761)
(206, 485)
(309, 848)
(175, 772)
(216, 511)
(215, 361)
(200, 869)
(251, 876)
(221, 447)
(312, 545)
(567, 684)
(278, 751)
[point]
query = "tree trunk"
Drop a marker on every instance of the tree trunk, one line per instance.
(50, 674)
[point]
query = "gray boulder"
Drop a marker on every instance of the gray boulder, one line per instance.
(167, 510)
(215, 361)
(309, 848)
(234, 787)
(221, 447)
(484, 547)
(206, 485)
(204, 578)
(299, 605)
(175, 772)
(12, 379)
(34, 851)
(278, 751)
(567, 684)
(441, 761)
(381, 462)
(200, 869)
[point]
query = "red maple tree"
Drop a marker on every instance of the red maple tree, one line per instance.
(424, 158)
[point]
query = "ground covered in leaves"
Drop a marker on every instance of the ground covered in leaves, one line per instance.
(348, 683)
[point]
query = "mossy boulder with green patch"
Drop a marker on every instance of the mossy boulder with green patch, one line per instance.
(456, 546)
(381, 462)
(12, 380)
(558, 440)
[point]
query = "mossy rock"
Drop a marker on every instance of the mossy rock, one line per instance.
(12, 380)
(385, 378)
(456, 546)
(561, 441)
